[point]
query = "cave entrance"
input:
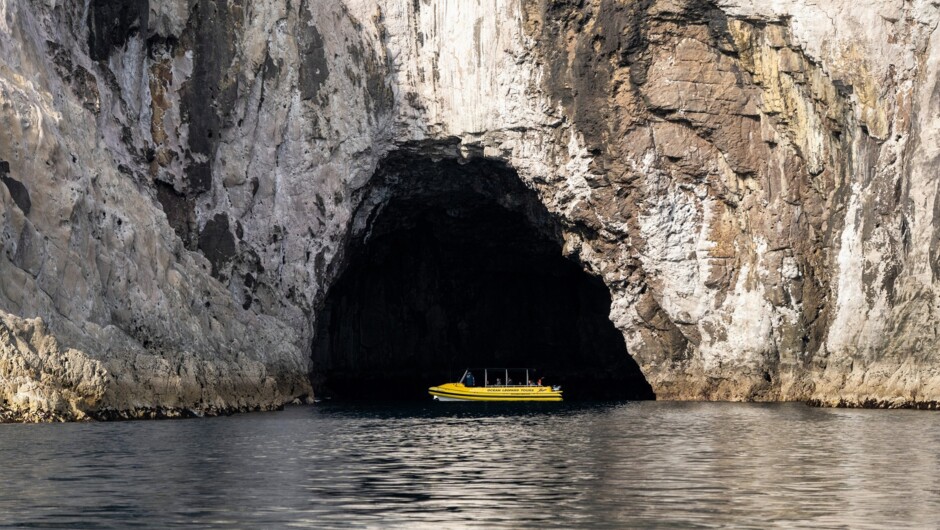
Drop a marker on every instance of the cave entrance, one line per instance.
(457, 265)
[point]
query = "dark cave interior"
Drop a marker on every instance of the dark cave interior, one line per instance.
(463, 268)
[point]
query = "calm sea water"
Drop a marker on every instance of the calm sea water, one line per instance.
(648, 464)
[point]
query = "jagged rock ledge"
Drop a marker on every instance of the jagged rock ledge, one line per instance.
(876, 404)
(144, 413)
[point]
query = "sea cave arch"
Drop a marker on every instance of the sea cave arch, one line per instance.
(455, 263)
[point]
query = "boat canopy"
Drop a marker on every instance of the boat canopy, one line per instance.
(488, 377)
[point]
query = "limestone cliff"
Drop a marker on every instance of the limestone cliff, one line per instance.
(755, 183)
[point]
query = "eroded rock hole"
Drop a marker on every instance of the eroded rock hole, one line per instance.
(460, 265)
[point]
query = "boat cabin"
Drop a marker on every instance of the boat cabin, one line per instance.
(500, 377)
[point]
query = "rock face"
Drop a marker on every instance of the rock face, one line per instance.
(183, 180)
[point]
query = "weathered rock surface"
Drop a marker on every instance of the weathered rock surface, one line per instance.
(755, 182)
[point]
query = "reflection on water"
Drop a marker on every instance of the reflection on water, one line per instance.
(512, 465)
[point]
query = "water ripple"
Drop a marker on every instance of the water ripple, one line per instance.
(652, 464)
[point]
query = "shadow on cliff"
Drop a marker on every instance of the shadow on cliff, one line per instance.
(456, 264)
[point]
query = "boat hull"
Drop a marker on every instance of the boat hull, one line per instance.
(459, 392)
(441, 398)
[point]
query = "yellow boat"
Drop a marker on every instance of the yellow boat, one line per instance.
(501, 388)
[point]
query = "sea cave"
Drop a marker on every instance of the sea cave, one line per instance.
(458, 264)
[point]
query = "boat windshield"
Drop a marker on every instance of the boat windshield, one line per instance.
(468, 379)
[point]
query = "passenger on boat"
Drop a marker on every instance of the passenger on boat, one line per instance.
(470, 380)
(539, 381)
(499, 382)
